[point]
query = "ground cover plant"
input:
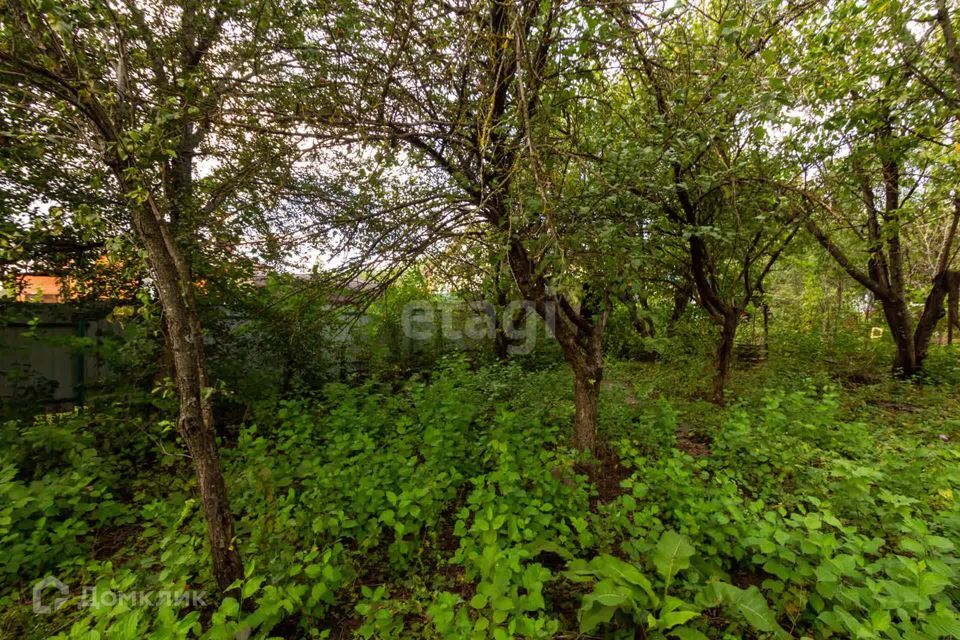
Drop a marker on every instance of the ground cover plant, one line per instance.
(452, 506)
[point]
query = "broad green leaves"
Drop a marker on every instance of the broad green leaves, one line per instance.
(621, 588)
(624, 588)
(672, 555)
(747, 603)
(614, 568)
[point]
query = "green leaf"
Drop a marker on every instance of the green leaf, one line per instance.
(593, 616)
(684, 633)
(230, 607)
(251, 586)
(543, 544)
(579, 571)
(812, 521)
(599, 605)
(931, 584)
(616, 568)
(674, 618)
(943, 624)
(610, 594)
(748, 603)
(672, 554)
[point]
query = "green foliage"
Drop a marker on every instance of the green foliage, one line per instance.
(621, 588)
(651, 170)
(49, 523)
(748, 604)
(56, 493)
(452, 509)
(839, 580)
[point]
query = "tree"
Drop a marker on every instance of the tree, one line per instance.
(470, 94)
(701, 98)
(880, 143)
(174, 101)
(478, 272)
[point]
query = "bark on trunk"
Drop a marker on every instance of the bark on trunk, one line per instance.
(195, 422)
(585, 356)
(506, 322)
(227, 566)
(766, 327)
(934, 309)
(942, 300)
(580, 334)
(901, 330)
(953, 304)
(501, 343)
(728, 335)
(586, 384)
(681, 299)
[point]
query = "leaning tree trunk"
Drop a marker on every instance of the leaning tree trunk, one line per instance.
(946, 286)
(953, 301)
(681, 299)
(505, 323)
(580, 334)
(195, 421)
(501, 341)
(724, 357)
(723, 312)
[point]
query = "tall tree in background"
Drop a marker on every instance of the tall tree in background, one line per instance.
(177, 104)
(466, 94)
(881, 140)
(701, 95)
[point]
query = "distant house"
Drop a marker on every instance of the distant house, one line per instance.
(105, 282)
(41, 288)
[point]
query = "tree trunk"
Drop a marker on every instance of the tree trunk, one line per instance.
(839, 307)
(905, 361)
(587, 375)
(941, 301)
(501, 343)
(933, 310)
(953, 305)
(766, 328)
(195, 422)
(584, 353)
(899, 321)
(580, 334)
(728, 335)
(200, 440)
(506, 322)
(681, 298)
